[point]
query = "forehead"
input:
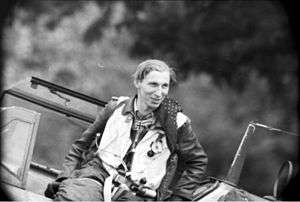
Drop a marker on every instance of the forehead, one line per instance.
(157, 76)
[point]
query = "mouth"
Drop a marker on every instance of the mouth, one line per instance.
(156, 100)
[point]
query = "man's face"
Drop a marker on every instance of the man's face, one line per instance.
(153, 89)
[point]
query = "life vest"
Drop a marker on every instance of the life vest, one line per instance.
(116, 141)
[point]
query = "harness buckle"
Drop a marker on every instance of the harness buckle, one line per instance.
(137, 187)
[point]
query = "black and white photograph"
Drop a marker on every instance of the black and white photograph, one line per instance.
(154, 100)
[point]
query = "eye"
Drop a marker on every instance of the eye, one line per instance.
(153, 84)
(165, 85)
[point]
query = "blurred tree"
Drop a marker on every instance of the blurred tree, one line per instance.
(229, 40)
(226, 39)
(58, 10)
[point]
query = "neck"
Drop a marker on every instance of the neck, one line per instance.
(142, 108)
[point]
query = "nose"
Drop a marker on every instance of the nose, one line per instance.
(160, 92)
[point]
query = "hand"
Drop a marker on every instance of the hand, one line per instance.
(52, 188)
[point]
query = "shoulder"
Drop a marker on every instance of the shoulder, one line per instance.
(112, 105)
(115, 101)
(181, 119)
(119, 100)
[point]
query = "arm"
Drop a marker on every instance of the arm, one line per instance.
(195, 159)
(74, 157)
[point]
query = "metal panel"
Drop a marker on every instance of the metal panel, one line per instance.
(19, 129)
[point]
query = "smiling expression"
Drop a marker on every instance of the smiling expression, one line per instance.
(152, 90)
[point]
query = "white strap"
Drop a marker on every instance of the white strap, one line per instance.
(107, 189)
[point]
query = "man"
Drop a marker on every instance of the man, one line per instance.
(143, 139)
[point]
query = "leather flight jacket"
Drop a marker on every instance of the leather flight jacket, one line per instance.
(186, 165)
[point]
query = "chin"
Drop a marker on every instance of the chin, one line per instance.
(154, 105)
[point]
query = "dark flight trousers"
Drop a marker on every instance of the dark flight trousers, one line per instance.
(86, 184)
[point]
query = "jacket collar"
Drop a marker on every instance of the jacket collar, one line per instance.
(129, 106)
(163, 118)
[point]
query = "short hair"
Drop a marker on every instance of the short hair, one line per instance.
(147, 66)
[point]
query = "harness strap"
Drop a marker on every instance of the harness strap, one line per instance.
(107, 188)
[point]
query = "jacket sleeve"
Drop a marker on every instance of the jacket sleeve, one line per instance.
(74, 157)
(195, 162)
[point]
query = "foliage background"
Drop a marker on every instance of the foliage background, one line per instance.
(236, 61)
